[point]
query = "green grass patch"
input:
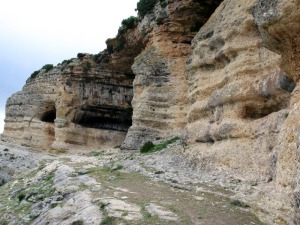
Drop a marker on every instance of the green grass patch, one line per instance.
(18, 198)
(146, 215)
(108, 220)
(149, 147)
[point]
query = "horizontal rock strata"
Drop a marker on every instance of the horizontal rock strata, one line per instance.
(229, 90)
(78, 103)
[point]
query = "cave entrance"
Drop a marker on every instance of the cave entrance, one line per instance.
(204, 9)
(48, 114)
(104, 118)
(260, 111)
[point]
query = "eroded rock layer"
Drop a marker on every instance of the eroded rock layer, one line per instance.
(243, 83)
(160, 102)
(279, 26)
(81, 102)
(231, 91)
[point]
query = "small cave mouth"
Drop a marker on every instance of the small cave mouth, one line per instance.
(205, 9)
(257, 112)
(49, 116)
(120, 120)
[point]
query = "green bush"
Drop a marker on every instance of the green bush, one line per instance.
(66, 61)
(163, 4)
(2, 182)
(122, 30)
(108, 220)
(145, 6)
(34, 74)
(238, 203)
(77, 222)
(147, 147)
(150, 147)
(47, 67)
(130, 22)
(80, 55)
(64, 64)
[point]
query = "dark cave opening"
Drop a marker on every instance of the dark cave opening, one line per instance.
(119, 120)
(49, 116)
(206, 9)
(257, 112)
(104, 123)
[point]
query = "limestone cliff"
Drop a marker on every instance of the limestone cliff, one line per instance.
(160, 100)
(243, 83)
(230, 90)
(80, 102)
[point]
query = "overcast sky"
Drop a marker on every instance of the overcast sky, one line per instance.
(38, 32)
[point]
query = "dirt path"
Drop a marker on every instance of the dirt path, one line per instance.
(112, 187)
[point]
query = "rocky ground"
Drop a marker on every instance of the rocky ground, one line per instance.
(113, 187)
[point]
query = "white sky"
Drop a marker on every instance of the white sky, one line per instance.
(38, 32)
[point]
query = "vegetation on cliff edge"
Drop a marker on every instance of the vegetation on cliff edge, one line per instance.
(145, 6)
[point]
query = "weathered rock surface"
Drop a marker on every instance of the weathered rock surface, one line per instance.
(279, 26)
(231, 91)
(55, 192)
(80, 102)
(160, 99)
(243, 83)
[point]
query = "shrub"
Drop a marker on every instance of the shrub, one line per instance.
(163, 4)
(64, 64)
(147, 147)
(108, 220)
(66, 61)
(47, 67)
(150, 147)
(33, 75)
(77, 222)
(2, 182)
(122, 30)
(238, 203)
(145, 6)
(130, 22)
(80, 55)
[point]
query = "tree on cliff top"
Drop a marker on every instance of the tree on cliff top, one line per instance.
(145, 6)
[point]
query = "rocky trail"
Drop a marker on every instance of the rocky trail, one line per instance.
(112, 187)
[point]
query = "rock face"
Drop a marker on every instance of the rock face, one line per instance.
(243, 83)
(231, 91)
(160, 100)
(279, 27)
(238, 93)
(81, 102)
